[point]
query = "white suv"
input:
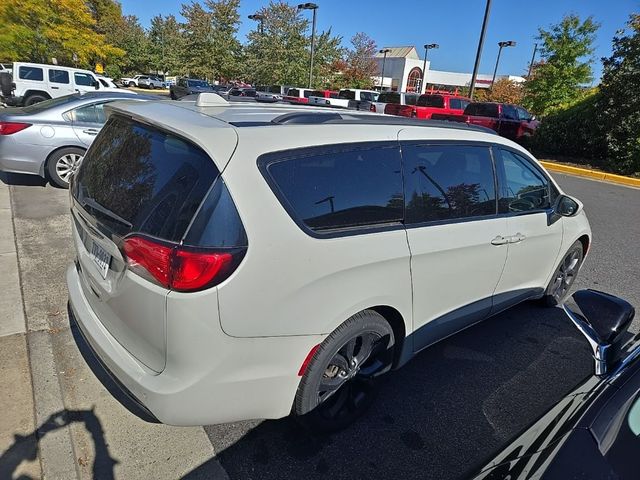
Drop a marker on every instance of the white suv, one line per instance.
(245, 261)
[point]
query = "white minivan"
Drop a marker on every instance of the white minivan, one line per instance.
(36, 82)
(245, 261)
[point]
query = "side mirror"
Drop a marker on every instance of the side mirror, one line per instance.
(603, 319)
(567, 206)
(96, 84)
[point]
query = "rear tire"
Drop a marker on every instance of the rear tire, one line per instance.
(564, 276)
(31, 99)
(132, 84)
(339, 383)
(62, 164)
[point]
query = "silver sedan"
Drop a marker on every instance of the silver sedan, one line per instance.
(50, 138)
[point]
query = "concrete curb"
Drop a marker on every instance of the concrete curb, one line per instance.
(595, 174)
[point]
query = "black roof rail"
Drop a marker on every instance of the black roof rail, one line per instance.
(312, 118)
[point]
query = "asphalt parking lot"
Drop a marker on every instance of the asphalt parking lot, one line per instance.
(444, 413)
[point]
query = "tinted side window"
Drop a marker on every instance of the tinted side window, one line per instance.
(58, 76)
(435, 101)
(455, 104)
(343, 189)
(31, 73)
(509, 112)
(410, 99)
(482, 109)
(522, 186)
(389, 97)
(523, 114)
(445, 182)
(293, 92)
(83, 79)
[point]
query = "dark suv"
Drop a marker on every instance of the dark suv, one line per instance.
(188, 86)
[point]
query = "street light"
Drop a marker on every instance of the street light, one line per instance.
(533, 58)
(474, 75)
(510, 43)
(314, 7)
(427, 47)
(384, 59)
(258, 18)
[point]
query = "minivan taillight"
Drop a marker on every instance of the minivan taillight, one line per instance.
(180, 268)
(7, 128)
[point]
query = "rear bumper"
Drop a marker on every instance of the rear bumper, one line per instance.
(17, 157)
(209, 377)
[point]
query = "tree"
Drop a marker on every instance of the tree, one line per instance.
(278, 55)
(132, 38)
(504, 91)
(39, 30)
(198, 40)
(225, 48)
(619, 102)
(326, 53)
(565, 67)
(359, 66)
(166, 45)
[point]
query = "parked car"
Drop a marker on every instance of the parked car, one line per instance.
(511, 121)
(242, 92)
(401, 98)
(270, 263)
(428, 104)
(594, 431)
(33, 82)
(131, 81)
(301, 95)
(150, 82)
(50, 138)
(107, 82)
(268, 97)
(344, 98)
(189, 86)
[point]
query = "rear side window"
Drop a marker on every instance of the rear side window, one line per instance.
(293, 92)
(509, 112)
(58, 76)
(446, 182)
(435, 101)
(482, 109)
(89, 114)
(389, 97)
(410, 99)
(347, 94)
(342, 189)
(368, 96)
(458, 103)
(31, 73)
(83, 79)
(135, 178)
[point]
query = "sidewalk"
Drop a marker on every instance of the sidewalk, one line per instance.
(18, 446)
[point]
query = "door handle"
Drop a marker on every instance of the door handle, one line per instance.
(517, 238)
(499, 240)
(90, 131)
(55, 88)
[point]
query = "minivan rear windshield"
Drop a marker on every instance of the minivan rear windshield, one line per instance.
(136, 178)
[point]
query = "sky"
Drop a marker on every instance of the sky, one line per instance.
(454, 25)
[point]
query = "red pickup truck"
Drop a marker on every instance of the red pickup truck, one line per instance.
(429, 104)
(511, 121)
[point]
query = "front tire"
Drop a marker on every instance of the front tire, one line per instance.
(564, 276)
(62, 164)
(132, 84)
(339, 383)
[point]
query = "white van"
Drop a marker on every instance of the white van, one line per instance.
(347, 98)
(34, 82)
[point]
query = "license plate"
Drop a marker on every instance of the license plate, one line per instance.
(101, 258)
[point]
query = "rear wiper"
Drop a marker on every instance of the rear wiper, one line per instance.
(91, 203)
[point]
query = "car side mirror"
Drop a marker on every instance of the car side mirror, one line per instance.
(567, 206)
(96, 84)
(603, 319)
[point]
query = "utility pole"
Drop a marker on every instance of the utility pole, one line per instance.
(314, 7)
(510, 43)
(479, 52)
(384, 51)
(427, 47)
(533, 57)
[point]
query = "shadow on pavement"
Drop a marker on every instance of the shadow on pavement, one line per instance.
(25, 447)
(22, 179)
(440, 416)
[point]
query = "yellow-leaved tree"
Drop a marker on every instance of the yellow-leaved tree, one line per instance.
(39, 30)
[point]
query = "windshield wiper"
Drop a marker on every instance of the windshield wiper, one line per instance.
(91, 203)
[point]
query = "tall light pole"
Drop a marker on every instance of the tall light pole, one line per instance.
(314, 7)
(427, 47)
(384, 51)
(510, 43)
(258, 18)
(479, 52)
(533, 58)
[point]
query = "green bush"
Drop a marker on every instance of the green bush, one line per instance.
(575, 132)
